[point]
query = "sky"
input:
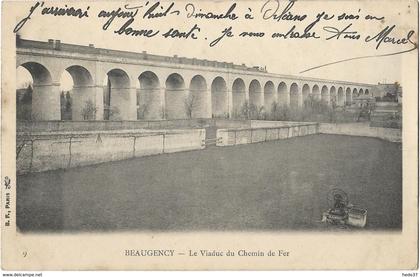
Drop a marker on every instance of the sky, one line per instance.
(280, 56)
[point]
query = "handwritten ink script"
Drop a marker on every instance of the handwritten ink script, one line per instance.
(291, 23)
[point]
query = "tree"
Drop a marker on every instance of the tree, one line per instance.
(68, 101)
(285, 113)
(114, 113)
(256, 112)
(89, 110)
(275, 110)
(142, 111)
(332, 111)
(245, 110)
(66, 105)
(111, 113)
(24, 103)
(62, 104)
(27, 97)
(280, 112)
(189, 103)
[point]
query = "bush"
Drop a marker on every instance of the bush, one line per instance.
(24, 112)
(281, 113)
(111, 113)
(256, 112)
(142, 111)
(313, 109)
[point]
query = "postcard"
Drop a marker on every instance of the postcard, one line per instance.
(209, 135)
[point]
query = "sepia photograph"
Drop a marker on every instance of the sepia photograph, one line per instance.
(129, 140)
(272, 118)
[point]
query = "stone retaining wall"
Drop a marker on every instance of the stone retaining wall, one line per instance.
(228, 137)
(54, 150)
(60, 126)
(361, 129)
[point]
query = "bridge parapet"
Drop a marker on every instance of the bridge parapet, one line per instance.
(91, 49)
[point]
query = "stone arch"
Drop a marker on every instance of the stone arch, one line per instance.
(149, 103)
(340, 97)
(366, 92)
(355, 94)
(175, 97)
(305, 93)
(348, 96)
(315, 92)
(255, 93)
(283, 94)
(117, 95)
(219, 101)
(81, 76)
(361, 91)
(40, 74)
(197, 99)
(238, 95)
(325, 95)
(294, 96)
(44, 99)
(269, 95)
(82, 94)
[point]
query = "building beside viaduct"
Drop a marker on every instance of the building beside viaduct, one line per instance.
(162, 85)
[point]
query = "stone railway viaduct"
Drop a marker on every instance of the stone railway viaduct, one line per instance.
(111, 78)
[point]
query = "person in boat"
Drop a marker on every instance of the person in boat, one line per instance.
(339, 205)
